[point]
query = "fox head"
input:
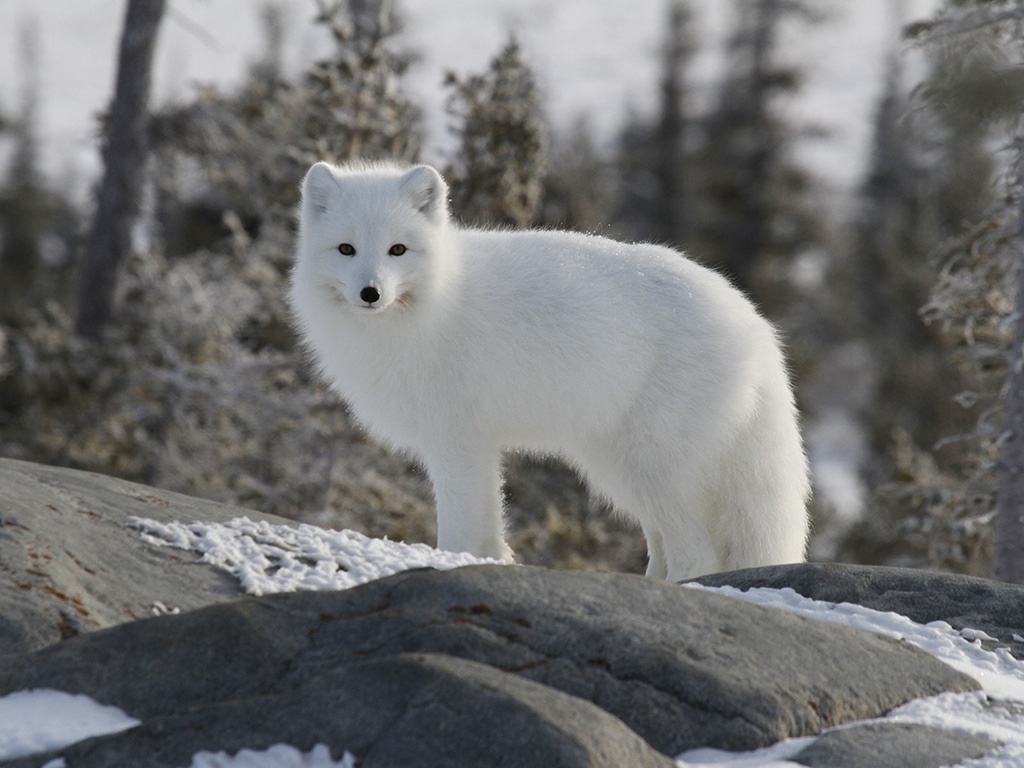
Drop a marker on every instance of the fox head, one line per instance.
(370, 237)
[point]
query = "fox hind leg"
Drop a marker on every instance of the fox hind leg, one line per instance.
(657, 567)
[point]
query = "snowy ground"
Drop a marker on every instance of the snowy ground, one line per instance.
(267, 558)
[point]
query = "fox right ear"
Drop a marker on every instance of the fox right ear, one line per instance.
(427, 191)
(317, 190)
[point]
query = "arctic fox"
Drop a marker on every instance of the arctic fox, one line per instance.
(652, 375)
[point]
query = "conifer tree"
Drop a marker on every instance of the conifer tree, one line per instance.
(657, 200)
(580, 185)
(672, 205)
(753, 191)
(22, 200)
(253, 147)
(498, 173)
(980, 292)
(909, 379)
(908, 206)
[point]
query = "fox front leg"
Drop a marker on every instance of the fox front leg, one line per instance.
(467, 490)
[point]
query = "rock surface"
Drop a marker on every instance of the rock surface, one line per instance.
(70, 564)
(476, 666)
(683, 668)
(415, 710)
(893, 745)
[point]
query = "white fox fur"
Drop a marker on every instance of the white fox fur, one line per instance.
(652, 375)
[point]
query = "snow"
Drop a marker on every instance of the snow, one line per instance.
(43, 720)
(278, 756)
(774, 756)
(972, 713)
(268, 558)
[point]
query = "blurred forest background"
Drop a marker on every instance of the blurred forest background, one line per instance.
(160, 350)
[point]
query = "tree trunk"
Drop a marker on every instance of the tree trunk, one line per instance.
(124, 156)
(23, 204)
(1008, 533)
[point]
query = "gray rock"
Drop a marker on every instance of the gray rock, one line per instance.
(69, 564)
(893, 745)
(683, 668)
(415, 710)
(483, 665)
(963, 601)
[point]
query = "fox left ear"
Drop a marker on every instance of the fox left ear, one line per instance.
(427, 192)
(317, 189)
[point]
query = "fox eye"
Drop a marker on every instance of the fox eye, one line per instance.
(397, 249)
(346, 249)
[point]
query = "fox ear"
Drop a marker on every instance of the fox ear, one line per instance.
(317, 189)
(427, 192)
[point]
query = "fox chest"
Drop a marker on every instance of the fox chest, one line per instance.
(397, 394)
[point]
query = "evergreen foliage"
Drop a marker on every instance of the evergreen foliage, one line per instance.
(580, 188)
(252, 148)
(723, 183)
(498, 173)
(910, 204)
(657, 195)
(756, 216)
(978, 297)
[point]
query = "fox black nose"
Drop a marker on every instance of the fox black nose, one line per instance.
(369, 294)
